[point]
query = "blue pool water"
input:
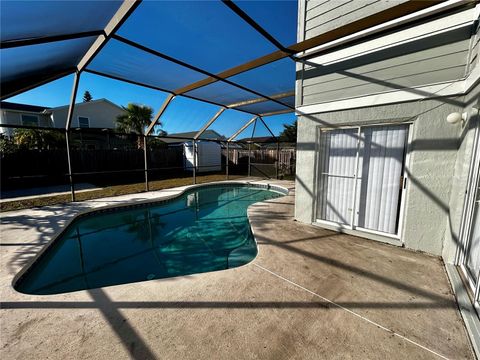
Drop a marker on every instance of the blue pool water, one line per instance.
(204, 229)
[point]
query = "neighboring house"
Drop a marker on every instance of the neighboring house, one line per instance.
(96, 115)
(376, 155)
(23, 115)
(100, 114)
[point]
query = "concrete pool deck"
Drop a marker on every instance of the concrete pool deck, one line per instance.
(310, 294)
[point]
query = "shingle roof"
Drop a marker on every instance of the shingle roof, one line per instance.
(22, 107)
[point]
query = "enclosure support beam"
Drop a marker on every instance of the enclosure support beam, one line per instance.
(232, 6)
(227, 159)
(67, 131)
(210, 122)
(194, 153)
(406, 8)
(242, 128)
(250, 149)
(145, 157)
(287, 111)
(278, 147)
(160, 112)
(278, 160)
(122, 14)
(70, 176)
(259, 100)
(73, 96)
(249, 160)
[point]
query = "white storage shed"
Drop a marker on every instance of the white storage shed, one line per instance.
(209, 156)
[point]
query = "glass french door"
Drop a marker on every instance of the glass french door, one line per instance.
(361, 175)
(469, 247)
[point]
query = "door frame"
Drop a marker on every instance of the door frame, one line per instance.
(401, 213)
(467, 219)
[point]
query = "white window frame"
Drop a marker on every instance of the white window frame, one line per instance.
(83, 117)
(467, 218)
(32, 115)
(353, 228)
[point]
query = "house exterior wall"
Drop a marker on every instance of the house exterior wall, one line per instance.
(417, 74)
(425, 54)
(102, 114)
(14, 117)
(322, 16)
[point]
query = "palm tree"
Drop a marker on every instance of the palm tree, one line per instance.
(135, 119)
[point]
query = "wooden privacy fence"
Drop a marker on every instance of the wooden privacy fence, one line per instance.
(286, 158)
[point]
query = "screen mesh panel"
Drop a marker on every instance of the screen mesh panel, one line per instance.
(212, 36)
(229, 122)
(274, 78)
(279, 123)
(108, 98)
(186, 116)
(127, 62)
(263, 107)
(30, 19)
(51, 94)
(278, 18)
(222, 93)
(26, 65)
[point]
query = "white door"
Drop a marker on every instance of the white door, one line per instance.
(361, 173)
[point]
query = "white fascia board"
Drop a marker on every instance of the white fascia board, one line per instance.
(472, 79)
(391, 97)
(438, 26)
(390, 24)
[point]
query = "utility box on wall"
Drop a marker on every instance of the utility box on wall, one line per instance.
(209, 156)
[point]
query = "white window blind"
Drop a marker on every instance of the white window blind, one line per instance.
(380, 170)
(338, 153)
(370, 159)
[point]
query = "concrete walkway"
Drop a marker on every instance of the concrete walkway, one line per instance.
(310, 294)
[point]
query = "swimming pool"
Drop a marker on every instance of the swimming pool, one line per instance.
(203, 229)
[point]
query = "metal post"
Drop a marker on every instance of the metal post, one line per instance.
(228, 159)
(146, 161)
(278, 159)
(70, 176)
(250, 148)
(68, 122)
(194, 152)
(249, 155)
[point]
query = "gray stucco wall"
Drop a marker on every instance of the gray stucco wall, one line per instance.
(460, 177)
(433, 154)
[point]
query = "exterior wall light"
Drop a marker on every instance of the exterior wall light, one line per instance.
(456, 117)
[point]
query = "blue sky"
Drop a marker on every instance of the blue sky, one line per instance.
(215, 41)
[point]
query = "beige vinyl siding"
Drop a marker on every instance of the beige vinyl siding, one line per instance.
(341, 80)
(322, 16)
(101, 114)
(14, 117)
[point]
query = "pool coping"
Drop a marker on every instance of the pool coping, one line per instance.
(142, 203)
